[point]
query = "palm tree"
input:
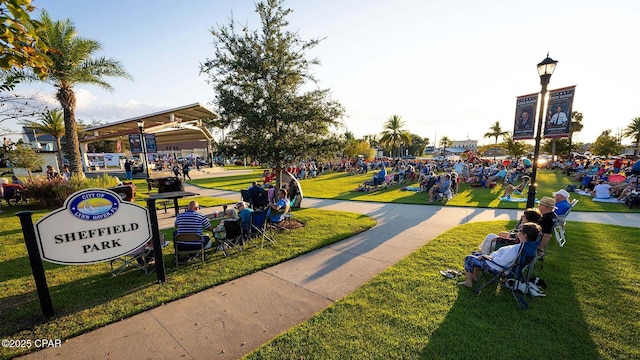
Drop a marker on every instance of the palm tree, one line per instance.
(445, 142)
(73, 64)
(372, 139)
(633, 131)
(52, 123)
(496, 131)
(393, 134)
(574, 127)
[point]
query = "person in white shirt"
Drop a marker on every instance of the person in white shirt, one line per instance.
(602, 190)
(505, 256)
(559, 118)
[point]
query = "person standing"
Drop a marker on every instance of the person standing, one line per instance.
(185, 172)
(128, 171)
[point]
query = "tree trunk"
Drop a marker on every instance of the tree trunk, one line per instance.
(67, 100)
(60, 157)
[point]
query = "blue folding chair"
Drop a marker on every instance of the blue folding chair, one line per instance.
(515, 274)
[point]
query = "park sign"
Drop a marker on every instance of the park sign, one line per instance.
(93, 225)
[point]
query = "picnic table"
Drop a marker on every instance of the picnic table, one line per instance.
(175, 195)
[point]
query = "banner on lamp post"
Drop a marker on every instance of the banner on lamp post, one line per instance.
(558, 116)
(523, 127)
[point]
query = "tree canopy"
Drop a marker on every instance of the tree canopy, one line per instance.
(21, 43)
(265, 91)
(495, 131)
(606, 144)
(394, 135)
(633, 131)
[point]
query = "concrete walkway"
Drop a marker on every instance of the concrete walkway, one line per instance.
(232, 319)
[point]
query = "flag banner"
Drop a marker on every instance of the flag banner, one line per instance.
(558, 117)
(134, 143)
(525, 111)
(150, 142)
(118, 146)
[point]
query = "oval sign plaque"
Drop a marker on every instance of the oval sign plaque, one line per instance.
(94, 225)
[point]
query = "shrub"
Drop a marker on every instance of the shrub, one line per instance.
(51, 194)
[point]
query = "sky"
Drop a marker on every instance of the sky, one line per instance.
(448, 68)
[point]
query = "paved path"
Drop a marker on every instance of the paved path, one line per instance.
(232, 319)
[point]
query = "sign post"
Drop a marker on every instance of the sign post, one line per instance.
(157, 247)
(36, 263)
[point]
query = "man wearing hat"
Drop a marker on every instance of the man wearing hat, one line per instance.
(562, 202)
(546, 206)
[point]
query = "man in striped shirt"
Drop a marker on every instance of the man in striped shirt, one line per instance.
(191, 221)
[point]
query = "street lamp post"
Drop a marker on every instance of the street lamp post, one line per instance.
(143, 144)
(545, 70)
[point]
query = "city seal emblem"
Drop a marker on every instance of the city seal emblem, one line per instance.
(94, 205)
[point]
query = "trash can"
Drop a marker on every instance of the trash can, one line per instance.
(168, 184)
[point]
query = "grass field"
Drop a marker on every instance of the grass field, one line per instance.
(592, 308)
(341, 186)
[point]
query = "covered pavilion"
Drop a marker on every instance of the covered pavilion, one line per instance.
(184, 124)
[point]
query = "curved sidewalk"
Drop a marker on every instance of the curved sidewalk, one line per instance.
(232, 319)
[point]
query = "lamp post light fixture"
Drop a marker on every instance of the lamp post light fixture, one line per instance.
(143, 145)
(545, 70)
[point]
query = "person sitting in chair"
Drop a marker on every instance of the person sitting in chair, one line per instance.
(562, 202)
(492, 242)
(443, 188)
(276, 211)
(516, 189)
(503, 257)
(230, 214)
(192, 222)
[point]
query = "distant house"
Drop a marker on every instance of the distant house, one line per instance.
(39, 141)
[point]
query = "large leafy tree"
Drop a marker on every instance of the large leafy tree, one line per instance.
(514, 148)
(556, 146)
(262, 81)
(73, 64)
(52, 123)
(633, 131)
(444, 143)
(394, 134)
(21, 45)
(418, 144)
(24, 156)
(606, 144)
(495, 131)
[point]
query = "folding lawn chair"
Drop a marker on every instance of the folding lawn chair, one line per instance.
(514, 277)
(558, 230)
(259, 199)
(233, 237)
(140, 258)
(259, 226)
(188, 246)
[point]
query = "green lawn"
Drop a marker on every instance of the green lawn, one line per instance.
(86, 297)
(341, 186)
(592, 308)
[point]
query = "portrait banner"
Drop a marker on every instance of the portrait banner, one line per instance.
(150, 142)
(523, 126)
(558, 117)
(134, 143)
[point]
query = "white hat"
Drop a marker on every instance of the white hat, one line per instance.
(562, 192)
